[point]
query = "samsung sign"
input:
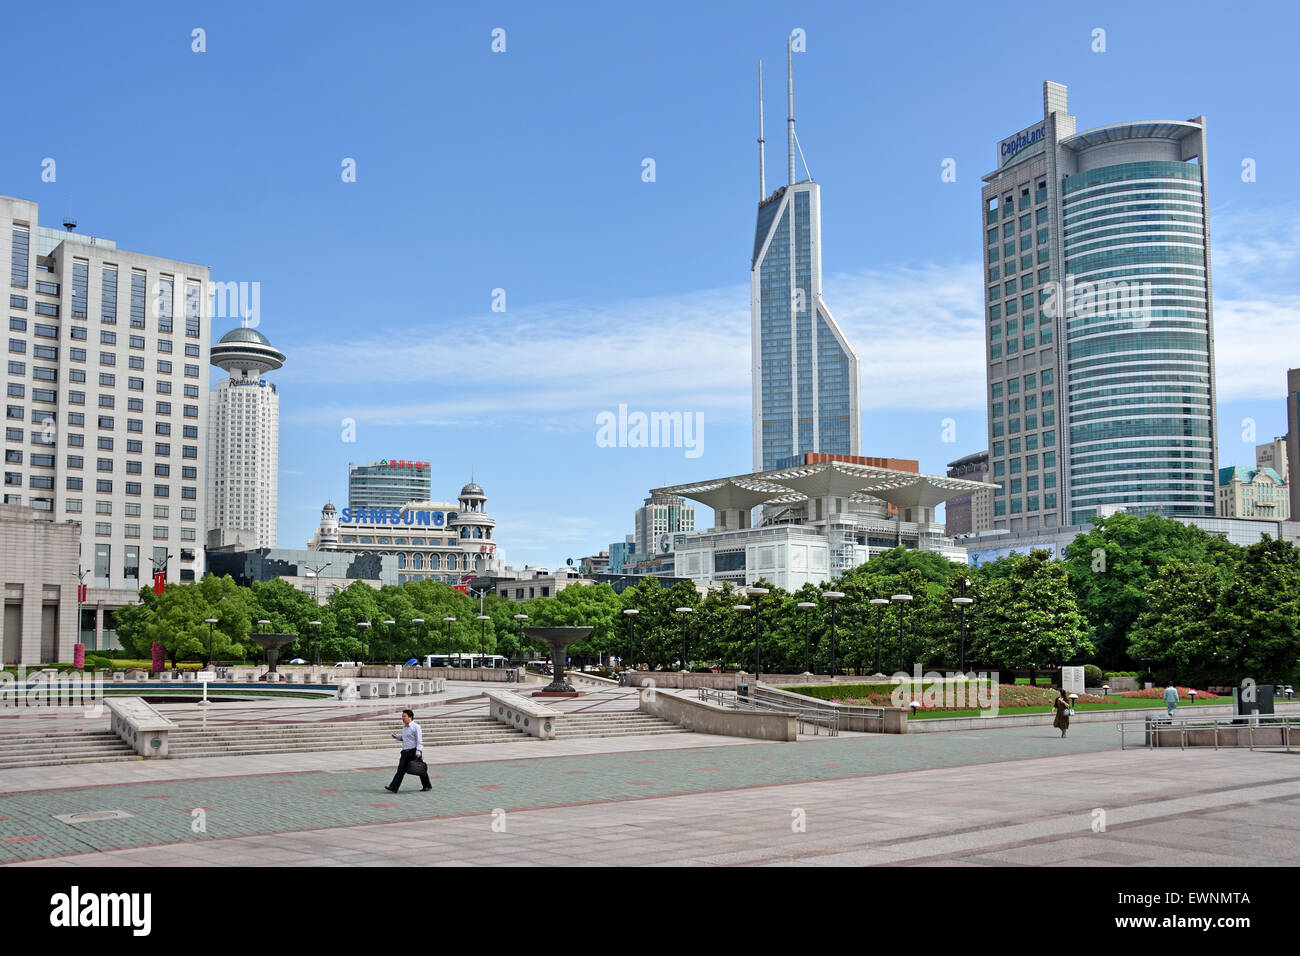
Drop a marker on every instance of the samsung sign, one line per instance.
(433, 519)
(1027, 139)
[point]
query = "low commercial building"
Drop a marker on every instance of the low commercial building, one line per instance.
(319, 574)
(972, 512)
(38, 561)
(1253, 493)
(820, 516)
(434, 540)
(986, 546)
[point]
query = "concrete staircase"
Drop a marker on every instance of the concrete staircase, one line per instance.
(75, 747)
(321, 736)
(62, 747)
(622, 724)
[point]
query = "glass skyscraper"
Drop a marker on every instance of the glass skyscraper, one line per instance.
(805, 374)
(1099, 321)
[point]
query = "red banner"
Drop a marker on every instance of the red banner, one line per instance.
(159, 581)
(81, 592)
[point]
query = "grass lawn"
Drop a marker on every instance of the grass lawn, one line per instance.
(1129, 703)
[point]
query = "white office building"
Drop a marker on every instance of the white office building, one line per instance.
(243, 443)
(106, 387)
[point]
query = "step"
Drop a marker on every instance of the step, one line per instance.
(58, 762)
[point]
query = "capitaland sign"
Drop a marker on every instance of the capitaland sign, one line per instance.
(376, 516)
(1026, 140)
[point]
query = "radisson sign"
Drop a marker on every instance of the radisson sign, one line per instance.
(1027, 139)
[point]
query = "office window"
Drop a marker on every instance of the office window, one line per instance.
(135, 363)
(135, 384)
(77, 374)
(107, 401)
(108, 338)
(107, 379)
(191, 391)
(190, 451)
(165, 346)
(79, 333)
(189, 473)
(189, 494)
(76, 461)
(17, 368)
(161, 470)
(164, 388)
(103, 486)
(18, 346)
(191, 350)
(134, 446)
(103, 527)
(107, 358)
(191, 371)
(105, 443)
(135, 425)
(105, 421)
(17, 324)
(104, 464)
(108, 294)
(133, 487)
(162, 408)
(162, 428)
(134, 468)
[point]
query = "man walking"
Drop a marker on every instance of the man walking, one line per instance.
(412, 739)
(1171, 698)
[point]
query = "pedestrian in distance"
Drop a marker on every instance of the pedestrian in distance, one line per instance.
(412, 738)
(1171, 698)
(1062, 707)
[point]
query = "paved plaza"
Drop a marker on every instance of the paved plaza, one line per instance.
(1018, 796)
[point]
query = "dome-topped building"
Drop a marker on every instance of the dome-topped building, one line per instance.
(244, 441)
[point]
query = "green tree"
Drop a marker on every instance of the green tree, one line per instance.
(1025, 616)
(1111, 565)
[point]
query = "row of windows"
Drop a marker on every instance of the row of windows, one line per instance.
(1029, 503)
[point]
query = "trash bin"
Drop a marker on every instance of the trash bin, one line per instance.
(1156, 723)
(742, 690)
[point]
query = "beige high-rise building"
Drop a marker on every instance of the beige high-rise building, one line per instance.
(1273, 455)
(106, 387)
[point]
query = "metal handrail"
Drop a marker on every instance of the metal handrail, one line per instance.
(1236, 721)
(817, 717)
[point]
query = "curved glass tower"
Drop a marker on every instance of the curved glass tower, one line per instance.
(1099, 320)
(805, 373)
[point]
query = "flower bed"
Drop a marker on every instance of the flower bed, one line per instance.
(1158, 693)
(1009, 695)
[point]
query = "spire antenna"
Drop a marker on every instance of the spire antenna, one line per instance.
(762, 162)
(789, 94)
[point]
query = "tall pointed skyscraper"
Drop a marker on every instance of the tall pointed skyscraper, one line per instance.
(805, 373)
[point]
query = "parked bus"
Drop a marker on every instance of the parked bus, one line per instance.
(466, 660)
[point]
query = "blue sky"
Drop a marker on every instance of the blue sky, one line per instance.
(522, 171)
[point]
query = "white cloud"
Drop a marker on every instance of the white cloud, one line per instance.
(918, 331)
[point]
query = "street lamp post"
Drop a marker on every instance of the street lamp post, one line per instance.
(418, 643)
(901, 600)
(209, 621)
(315, 655)
(961, 603)
(449, 620)
(482, 637)
(521, 618)
(834, 597)
(388, 641)
(742, 608)
(756, 593)
(631, 613)
(805, 606)
(879, 604)
(685, 612)
(361, 626)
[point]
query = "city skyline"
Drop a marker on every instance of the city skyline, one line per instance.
(514, 394)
